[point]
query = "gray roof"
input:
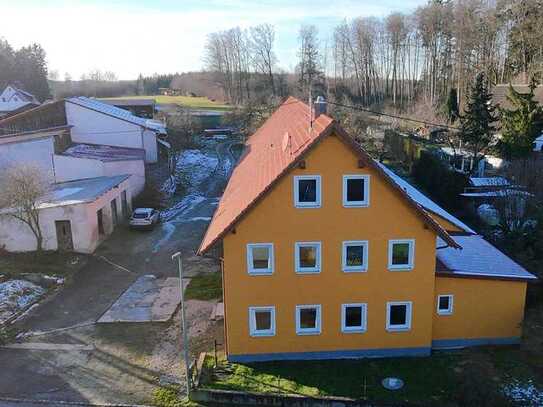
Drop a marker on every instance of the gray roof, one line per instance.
(478, 258)
(424, 201)
(80, 191)
(117, 112)
(104, 153)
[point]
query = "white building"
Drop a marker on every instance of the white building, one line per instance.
(61, 161)
(74, 216)
(80, 161)
(95, 122)
(14, 99)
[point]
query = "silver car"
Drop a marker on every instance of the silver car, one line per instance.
(144, 218)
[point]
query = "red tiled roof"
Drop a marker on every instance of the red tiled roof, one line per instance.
(271, 152)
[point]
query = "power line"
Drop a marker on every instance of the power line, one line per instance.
(363, 109)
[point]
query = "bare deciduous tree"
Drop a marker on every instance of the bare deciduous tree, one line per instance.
(23, 187)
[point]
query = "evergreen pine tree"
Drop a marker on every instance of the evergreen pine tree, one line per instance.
(522, 123)
(477, 123)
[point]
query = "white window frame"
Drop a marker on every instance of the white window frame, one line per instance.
(354, 329)
(299, 204)
(401, 267)
(259, 272)
(354, 269)
(357, 204)
(307, 270)
(252, 321)
(449, 310)
(309, 331)
(408, 317)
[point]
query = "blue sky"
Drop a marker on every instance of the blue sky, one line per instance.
(147, 36)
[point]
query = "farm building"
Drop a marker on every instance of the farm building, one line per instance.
(74, 216)
(374, 268)
(91, 122)
(144, 107)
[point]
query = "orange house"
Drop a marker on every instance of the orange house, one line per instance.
(329, 254)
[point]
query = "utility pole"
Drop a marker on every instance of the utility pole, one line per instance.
(183, 321)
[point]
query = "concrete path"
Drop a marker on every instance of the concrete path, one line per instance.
(147, 300)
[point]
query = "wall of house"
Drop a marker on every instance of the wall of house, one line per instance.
(136, 169)
(37, 152)
(15, 236)
(484, 311)
(93, 127)
(387, 217)
(73, 168)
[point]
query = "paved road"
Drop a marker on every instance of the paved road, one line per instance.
(127, 359)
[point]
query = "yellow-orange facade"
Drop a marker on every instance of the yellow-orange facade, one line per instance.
(276, 220)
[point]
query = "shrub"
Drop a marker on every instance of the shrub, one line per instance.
(151, 196)
(435, 177)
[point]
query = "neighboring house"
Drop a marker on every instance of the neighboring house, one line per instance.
(500, 93)
(462, 160)
(74, 216)
(327, 253)
(13, 99)
(144, 107)
(80, 161)
(92, 122)
(61, 160)
(96, 122)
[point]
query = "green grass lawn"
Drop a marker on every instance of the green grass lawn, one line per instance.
(184, 101)
(426, 379)
(204, 287)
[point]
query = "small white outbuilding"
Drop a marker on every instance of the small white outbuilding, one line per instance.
(74, 216)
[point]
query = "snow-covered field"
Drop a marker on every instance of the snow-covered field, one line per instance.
(524, 393)
(16, 295)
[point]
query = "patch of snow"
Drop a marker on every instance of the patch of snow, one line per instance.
(183, 206)
(196, 166)
(169, 229)
(16, 295)
(524, 393)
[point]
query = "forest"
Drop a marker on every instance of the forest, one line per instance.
(399, 60)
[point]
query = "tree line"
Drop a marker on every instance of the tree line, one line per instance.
(25, 67)
(429, 55)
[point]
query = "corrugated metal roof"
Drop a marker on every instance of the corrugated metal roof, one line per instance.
(117, 112)
(478, 258)
(488, 181)
(424, 201)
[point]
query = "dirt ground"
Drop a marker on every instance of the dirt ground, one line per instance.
(126, 361)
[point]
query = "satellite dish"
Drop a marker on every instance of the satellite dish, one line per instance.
(392, 383)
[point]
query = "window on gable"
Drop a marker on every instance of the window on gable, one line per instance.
(445, 304)
(308, 319)
(260, 258)
(353, 318)
(398, 316)
(307, 191)
(401, 254)
(307, 257)
(262, 321)
(356, 192)
(355, 256)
